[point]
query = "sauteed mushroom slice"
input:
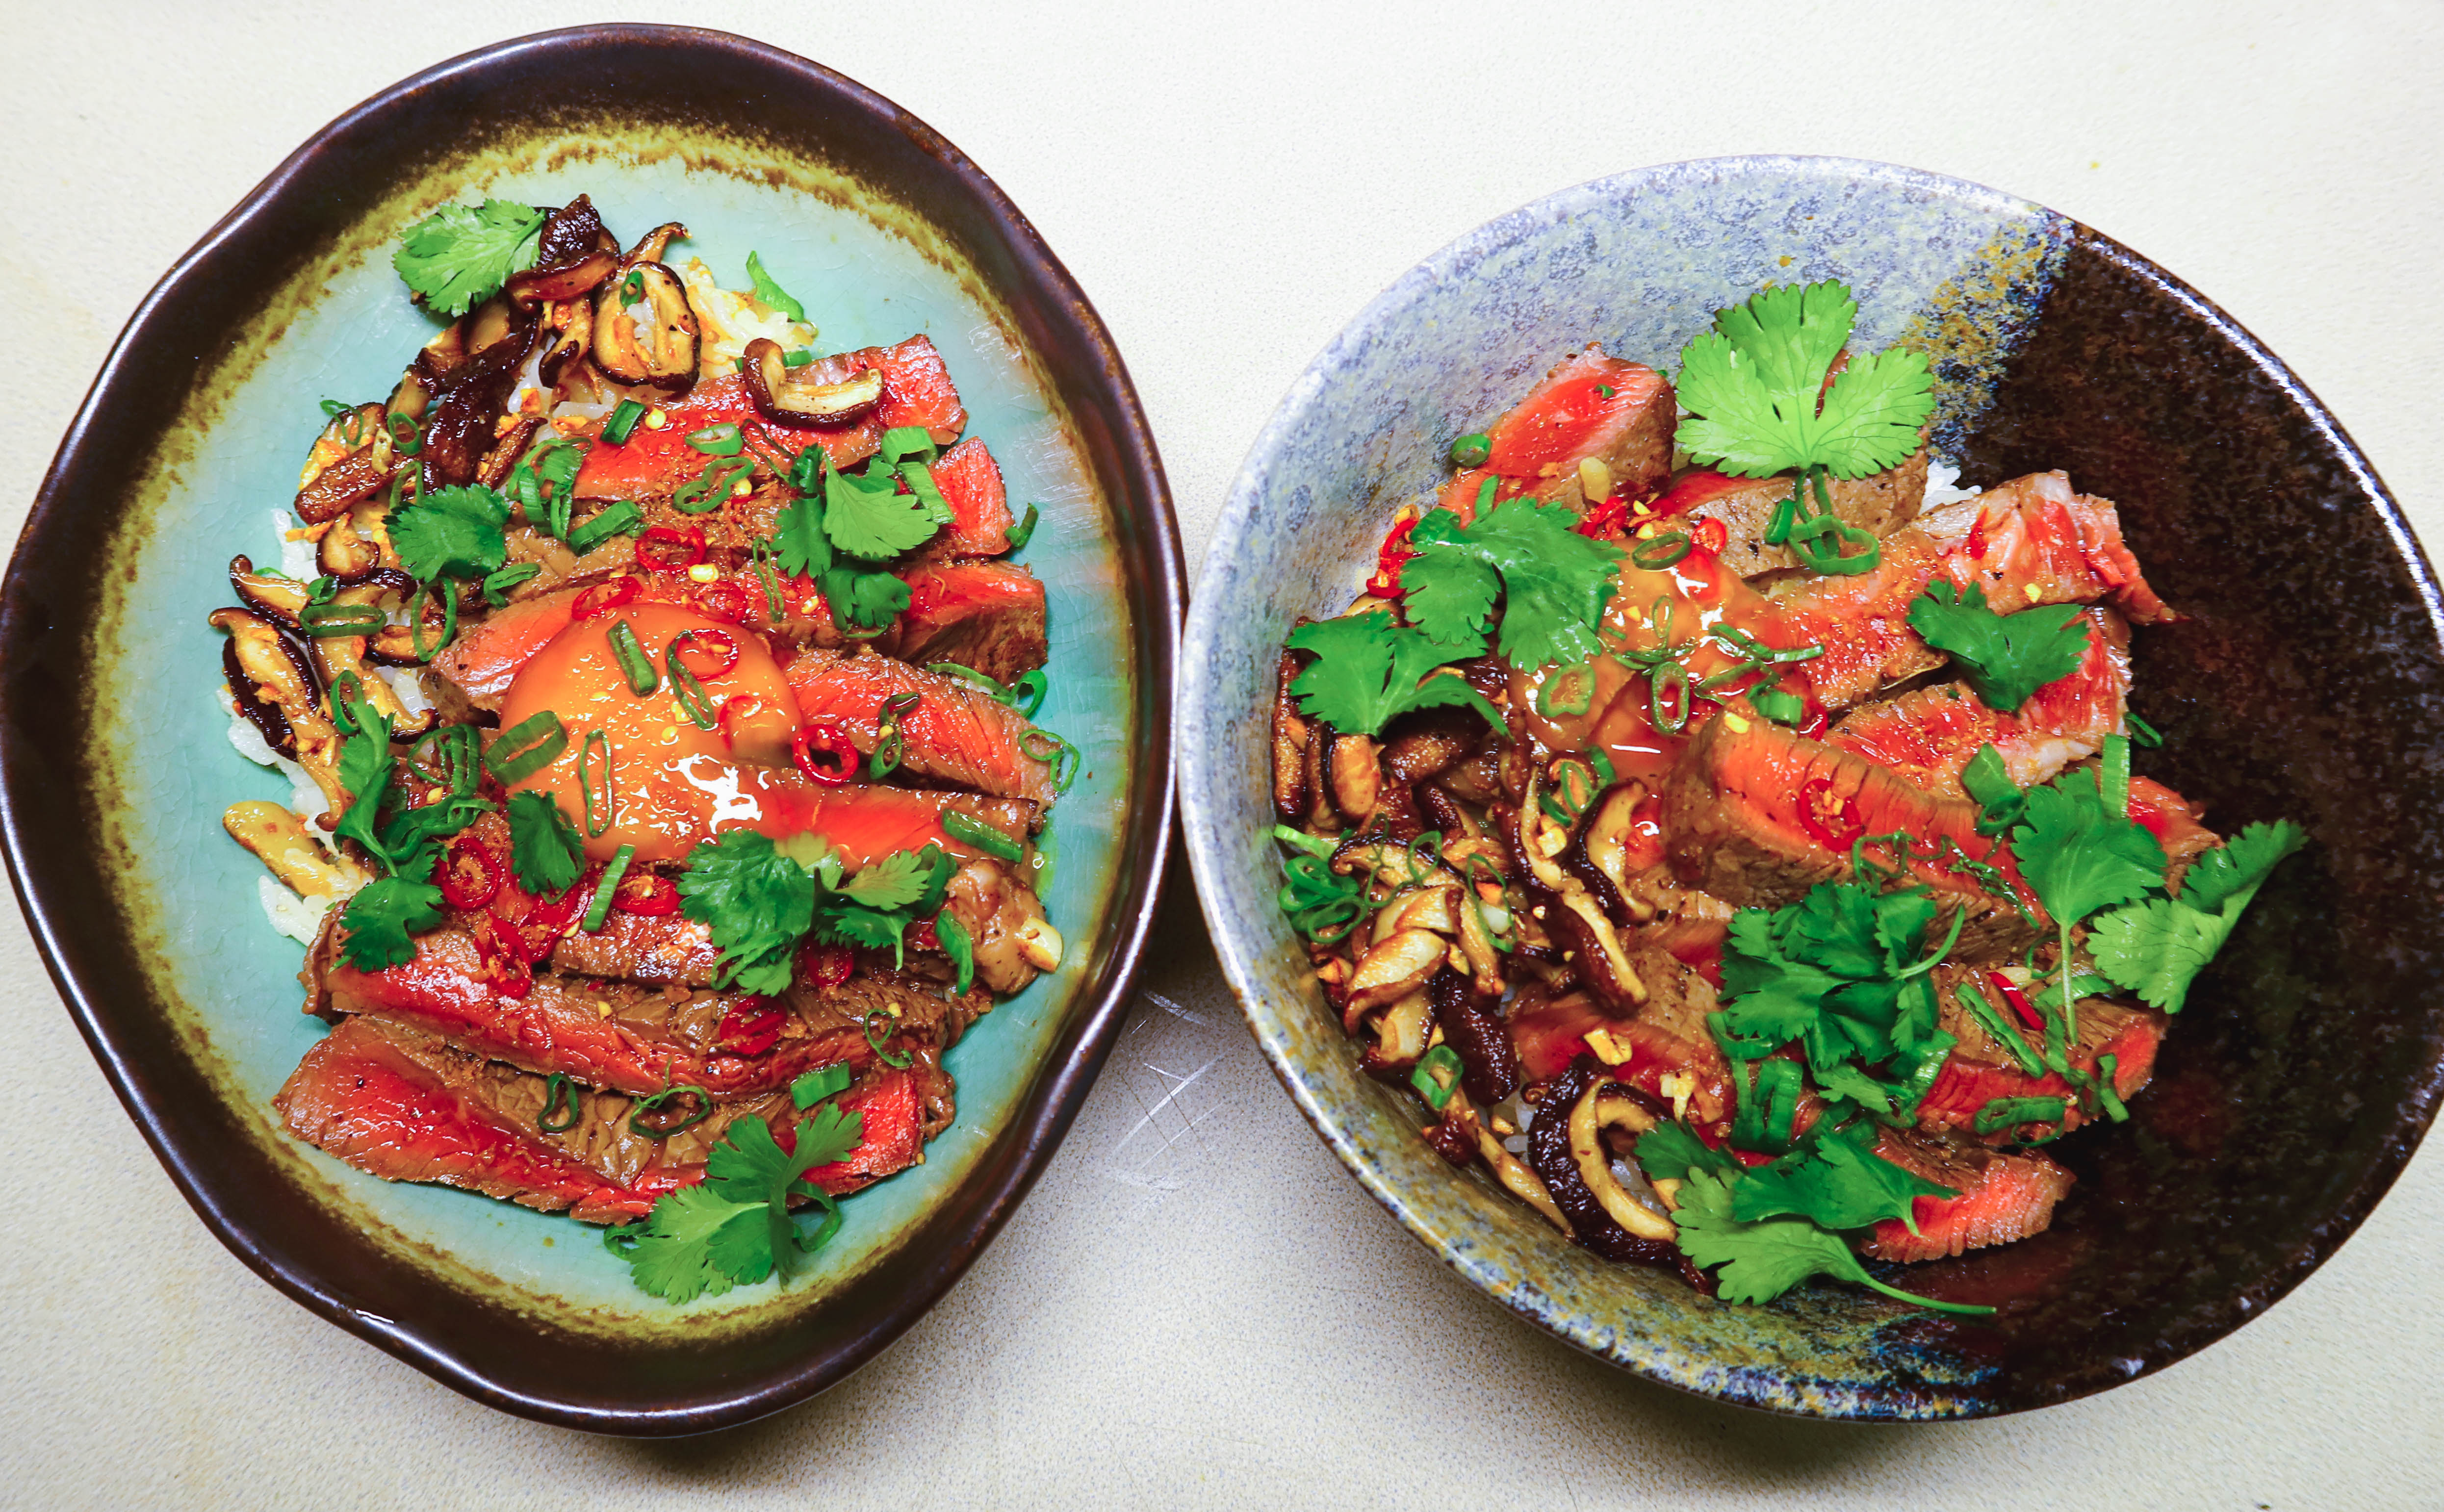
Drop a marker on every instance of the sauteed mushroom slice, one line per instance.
(278, 598)
(278, 839)
(785, 398)
(1401, 1034)
(275, 671)
(650, 247)
(645, 330)
(339, 657)
(1599, 1107)
(469, 397)
(349, 460)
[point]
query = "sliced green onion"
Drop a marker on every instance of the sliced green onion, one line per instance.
(1472, 451)
(689, 692)
(622, 423)
(816, 1085)
(723, 440)
(632, 659)
(2003, 1113)
(1055, 752)
(1323, 905)
(652, 1103)
(461, 754)
(2107, 1068)
(508, 577)
(415, 623)
(921, 483)
(598, 908)
(959, 947)
(879, 1040)
(1567, 690)
(322, 588)
(1658, 552)
(560, 1092)
(2113, 776)
(759, 561)
(619, 518)
(595, 740)
(2143, 733)
(904, 441)
(799, 357)
(530, 744)
(706, 491)
(1029, 691)
(1436, 1076)
(980, 836)
(1777, 704)
(324, 620)
(1668, 697)
(406, 437)
(1023, 532)
(1833, 561)
(893, 744)
(333, 409)
(1605, 776)
(831, 1224)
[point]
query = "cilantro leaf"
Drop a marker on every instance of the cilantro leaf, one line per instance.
(544, 849)
(772, 294)
(2238, 868)
(757, 903)
(867, 516)
(798, 535)
(460, 255)
(1840, 1182)
(2005, 658)
(2157, 947)
(1836, 972)
(895, 882)
(382, 916)
(1752, 387)
(856, 912)
(696, 1242)
(749, 1167)
(457, 532)
(365, 766)
(1763, 1259)
(864, 600)
(1366, 671)
(1669, 1152)
(1555, 581)
(2080, 857)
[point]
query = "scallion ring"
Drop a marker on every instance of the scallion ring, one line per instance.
(406, 437)
(651, 1104)
(723, 440)
(689, 692)
(595, 740)
(526, 747)
(1669, 698)
(1436, 1076)
(879, 1026)
(324, 620)
(622, 422)
(633, 660)
(598, 908)
(893, 745)
(977, 834)
(1658, 552)
(1049, 749)
(459, 757)
(1473, 451)
(1023, 532)
(416, 621)
(560, 1092)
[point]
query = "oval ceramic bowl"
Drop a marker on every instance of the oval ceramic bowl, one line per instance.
(191, 439)
(2306, 681)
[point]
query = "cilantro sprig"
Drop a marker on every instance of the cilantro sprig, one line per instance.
(544, 849)
(457, 532)
(842, 527)
(1762, 1258)
(1752, 383)
(1552, 581)
(383, 917)
(2005, 658)
(733, 1228)
(759, 898)
(2157, 946)
(460, 255)
(1366, 673)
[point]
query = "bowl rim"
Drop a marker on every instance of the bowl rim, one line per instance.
(1042, 1118)
(1201, 780)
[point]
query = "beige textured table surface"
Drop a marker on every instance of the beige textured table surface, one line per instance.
(1198, 1307)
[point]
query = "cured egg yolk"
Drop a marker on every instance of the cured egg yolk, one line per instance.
(669, 783)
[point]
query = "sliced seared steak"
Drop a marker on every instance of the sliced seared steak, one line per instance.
(408, 1106)
(1879, 504)
(2003, 1197)
(1590, 407)
(1981, 1070)
(956, 732)
(984, 614)
(1929, 735)
(1756, 816)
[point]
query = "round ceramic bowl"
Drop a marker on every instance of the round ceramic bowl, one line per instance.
(2306, 681)
(116, 766)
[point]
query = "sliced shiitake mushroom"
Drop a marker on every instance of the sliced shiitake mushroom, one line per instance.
(272, 668)
(645, 330)
(1599, 1107)
(789, 397)
(1289, 745)
(470, 398)
(1401, 1034)
(268, 594)
(349, 460)
(651, 246)
(569, 330)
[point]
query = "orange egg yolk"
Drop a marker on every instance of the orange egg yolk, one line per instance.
(668, 782)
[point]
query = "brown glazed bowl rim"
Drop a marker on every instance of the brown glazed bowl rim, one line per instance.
(116, 405)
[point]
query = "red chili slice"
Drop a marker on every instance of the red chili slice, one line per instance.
(1710, 535)
(735, 711)
(922, 936)
(604, 596)
(2017, 999)
(1819, 814)
(467, 873)
(719, 644)
(1390, 558)
(728, 602)
(750, 1028)
(823, 752)
(648, 895)
(669, 547)
(825, 965)
(1975, 544)
(503, 954)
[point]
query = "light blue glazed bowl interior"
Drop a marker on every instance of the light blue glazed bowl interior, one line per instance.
(165, 741)
(1638, 263)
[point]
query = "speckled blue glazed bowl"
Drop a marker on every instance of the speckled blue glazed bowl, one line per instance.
(2306, 1067)
(117, 764)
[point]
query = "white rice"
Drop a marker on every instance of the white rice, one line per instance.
(1942, 485)
(296, 557)
(297, 918)
(300, 918)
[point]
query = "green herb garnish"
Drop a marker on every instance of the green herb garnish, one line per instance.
(1752, 383)
(460, 255)
(1366, 673)
(2005, 658)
